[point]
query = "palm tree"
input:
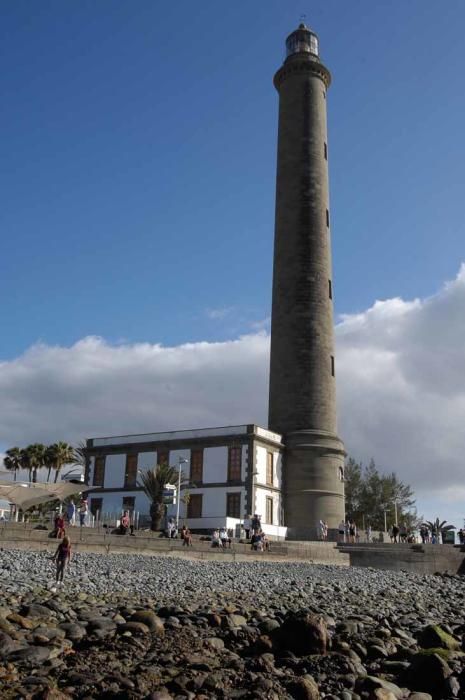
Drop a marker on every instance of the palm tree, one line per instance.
(81, 457)
(34, 459)
(12, 460)
(60, 453)
(154, 482)
(49, 460)
(436, 527)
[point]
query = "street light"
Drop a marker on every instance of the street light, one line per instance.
(385, 510)
(182, 460)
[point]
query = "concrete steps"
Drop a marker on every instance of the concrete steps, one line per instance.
(145, 542)
(417, 558)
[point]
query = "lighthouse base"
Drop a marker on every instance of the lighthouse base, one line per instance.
(313, 483)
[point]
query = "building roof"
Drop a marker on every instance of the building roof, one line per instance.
(196, 433)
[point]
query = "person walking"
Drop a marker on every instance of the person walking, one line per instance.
(256, 525)
(62, 558)
(341, 531)
(247, 527)
(83, 510)
(71, 512)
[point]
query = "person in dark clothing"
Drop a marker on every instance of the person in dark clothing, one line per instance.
(62, 558)
(256, 525)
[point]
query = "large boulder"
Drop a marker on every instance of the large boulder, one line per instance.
(134, 627)
(37, 610)
(148, 618)
(379, 688)
(8, 645)
(303, 633)
(428, 673)
(433, 636)
(304, 688)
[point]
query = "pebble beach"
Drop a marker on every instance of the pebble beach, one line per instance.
(161, 628)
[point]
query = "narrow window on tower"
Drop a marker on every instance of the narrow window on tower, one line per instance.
(326, 151)
(330, 285)
(332, 365)
(327, 218)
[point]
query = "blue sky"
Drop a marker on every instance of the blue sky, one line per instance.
(137, 179)
(138, 161)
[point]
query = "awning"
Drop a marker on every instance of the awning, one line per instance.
(25, 494)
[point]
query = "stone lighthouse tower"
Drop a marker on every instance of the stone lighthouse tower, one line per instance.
(302, 404)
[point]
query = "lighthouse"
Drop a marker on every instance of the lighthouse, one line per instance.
(302, 399)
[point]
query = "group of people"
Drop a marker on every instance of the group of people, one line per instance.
(347, 531)
(70, 515)
(172, 533)
(252, 524)
(260, 542)
(253, 532)
(401, 533)
(221, 538)
(82, 509)
(322, 529)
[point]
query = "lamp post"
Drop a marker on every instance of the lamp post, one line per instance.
(182, 460)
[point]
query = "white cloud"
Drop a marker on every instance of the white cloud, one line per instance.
(218, 314)
(401, 388)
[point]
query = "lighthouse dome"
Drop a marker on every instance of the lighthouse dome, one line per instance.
(302, 40)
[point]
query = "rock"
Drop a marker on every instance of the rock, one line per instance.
(304, 688)
(262, 645)
(101, 625)
(382, 694)
(7, 627)
(452, 686)
(121, 680)
(134, 627)
(214, 620)
(55, 694)
(34, 655)
(233, 620)
(215, 643)
(267, 626)
(83, 678)
(376, 652)
(148, 618)
(36, 610)
(427, 673)
(8, 645)
(371, 684)
(73, 631)
(432, 636)
(23, 622)
(303, 633)
(50, 632)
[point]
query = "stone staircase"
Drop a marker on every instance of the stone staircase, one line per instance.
(24, 536)
(416, 558)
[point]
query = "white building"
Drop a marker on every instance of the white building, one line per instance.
(233, 472)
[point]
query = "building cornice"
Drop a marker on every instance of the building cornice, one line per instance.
(299, 67)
